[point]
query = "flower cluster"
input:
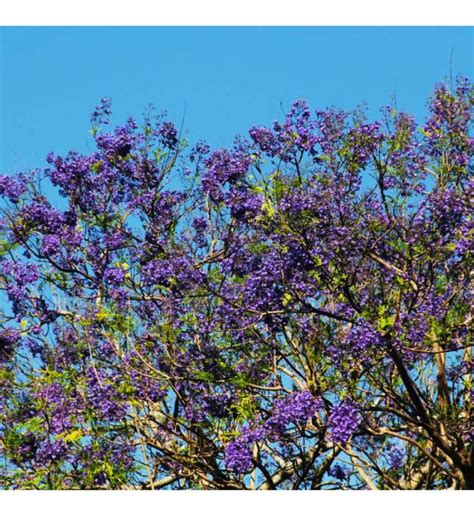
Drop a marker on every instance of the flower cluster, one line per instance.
(12, 188)
(296, 408)
(396, 456)
(343, 421)
(9, 337)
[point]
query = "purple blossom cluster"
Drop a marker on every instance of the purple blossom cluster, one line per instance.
(238, 456)
(447, 129)
(171, 272)
(339, 471)
(104, 398)
(343, 421)
(60, 407)
(50, 245)
(50, 451)
(118, 143)
(296, 408)
(102, 113)
(168, 135)
(22, 273)
(115, 276)
(12, 188)
(222, 167)
(9, 337)
(396, 456)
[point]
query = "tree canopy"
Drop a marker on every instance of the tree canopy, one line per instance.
(293, 312)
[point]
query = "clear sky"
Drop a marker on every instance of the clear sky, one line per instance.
(222, 79)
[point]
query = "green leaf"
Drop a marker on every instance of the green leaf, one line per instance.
(73, 436)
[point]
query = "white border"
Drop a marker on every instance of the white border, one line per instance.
(234, 505)
(236, 12)
(239, 506)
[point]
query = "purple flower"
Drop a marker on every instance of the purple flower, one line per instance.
(339, 471)
(115, 276)
(12, 188)
(102, 113)
(22, 273)
(50, 451)
(243, 203)
(168, 134)
(119, 143)
(343, 422)
(50, 245)
(224, 166)
(298, 407)
(9, 337)
(238, 456)
(104, 398)
(265, 139)
(396, 456)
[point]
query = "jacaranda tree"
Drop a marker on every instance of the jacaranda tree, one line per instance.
(294, 312)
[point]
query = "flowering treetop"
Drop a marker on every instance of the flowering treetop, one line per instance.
(292, 312)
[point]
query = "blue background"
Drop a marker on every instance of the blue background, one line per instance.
(222, 80)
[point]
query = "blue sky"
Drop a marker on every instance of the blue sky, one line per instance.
(226, 79)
